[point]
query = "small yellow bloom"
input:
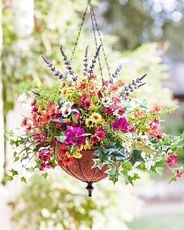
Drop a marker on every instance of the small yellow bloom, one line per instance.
(86, 146)
(77, 154)
(89, 123)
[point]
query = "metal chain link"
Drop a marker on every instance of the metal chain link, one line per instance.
(80, 29)
(95, 30)
(95, 38)
(100, 37)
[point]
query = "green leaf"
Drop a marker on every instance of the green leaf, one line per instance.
(23, 179)
(14, 172)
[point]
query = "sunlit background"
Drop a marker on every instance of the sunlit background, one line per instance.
(147, 37)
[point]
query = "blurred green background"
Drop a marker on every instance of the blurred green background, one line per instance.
(147, 37)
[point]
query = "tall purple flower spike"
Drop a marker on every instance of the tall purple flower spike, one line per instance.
(94, 60)
(68, 65)
(53, 69)
(86, 62)
(116, 73)
(135, 84)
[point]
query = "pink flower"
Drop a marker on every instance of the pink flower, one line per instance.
(83, 97)
(116, 99)
(94, 139)
(154, 124)
(33, 102)
(24, 122)
(171, 161)
(121, 111)
(77, 115)
(28, 128)
(179, 173)
(75, 136)
(86, 104)
(46, 118)
(100, 133)
(132, 129)
(54, 141)
(108, 110)
(121, 124)
(35, 108)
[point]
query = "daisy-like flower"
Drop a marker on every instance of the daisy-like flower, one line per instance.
(66, 111)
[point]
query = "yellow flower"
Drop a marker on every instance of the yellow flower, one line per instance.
(77, 154)
(89, 123)
(86, 146)
(95, 117)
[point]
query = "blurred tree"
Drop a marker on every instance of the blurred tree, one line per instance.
(135, 22)
(60, 205)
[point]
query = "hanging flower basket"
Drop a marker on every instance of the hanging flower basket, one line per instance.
(94, 127)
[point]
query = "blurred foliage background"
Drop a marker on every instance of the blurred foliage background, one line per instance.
(144, 35)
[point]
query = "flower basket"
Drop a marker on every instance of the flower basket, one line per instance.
(94, 126)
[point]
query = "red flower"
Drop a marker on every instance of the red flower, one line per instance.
(94, 139)
(86, 104)
(100, 94)
(60, 163)
(24, 122)
(54, 141)
(121, 111)
(113, 88)
(35, 108)
(68, 161)
(100, 133)
(179, 173)
(59, 126)
(33, 102)
(77, 115)
(81, 86)
(155, 133)
(63, 149)
(171, 161)
(108, 110)
(83, 97)
(28, 128)
(46, 118)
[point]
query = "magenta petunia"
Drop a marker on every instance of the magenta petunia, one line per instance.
(75, 136)
(121, 124)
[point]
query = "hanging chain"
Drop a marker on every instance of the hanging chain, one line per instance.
(100, 37)
(95, 38)
(80, 29)
(95, 30)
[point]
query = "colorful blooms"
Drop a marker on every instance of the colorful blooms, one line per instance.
(84, 116)
(75, 136)
(121, 124)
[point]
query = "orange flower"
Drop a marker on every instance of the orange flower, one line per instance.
(121, 83)
(155, 109)
(155, 133)
(138, 114)
(113, 88)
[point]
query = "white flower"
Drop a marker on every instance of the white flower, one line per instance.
(143, 155)
(137, 163)
(66, 111)
(149, 164)
(106, 101)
